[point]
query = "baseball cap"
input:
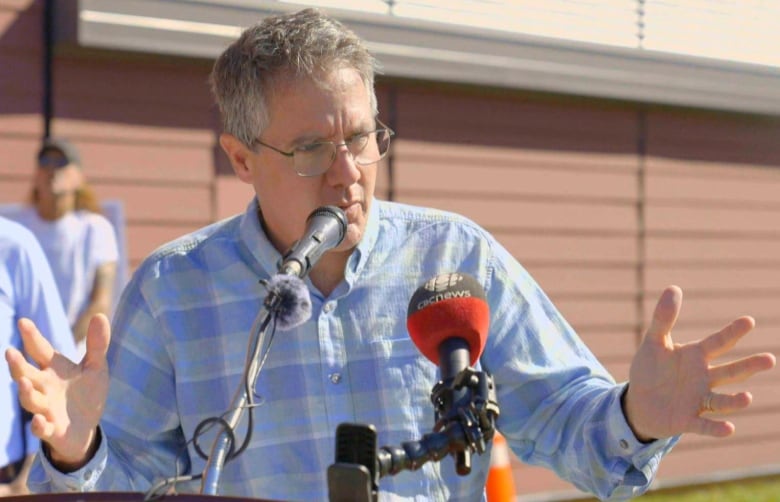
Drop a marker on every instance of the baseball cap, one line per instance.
(65, 147)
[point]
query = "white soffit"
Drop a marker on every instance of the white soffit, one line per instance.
(425, 50)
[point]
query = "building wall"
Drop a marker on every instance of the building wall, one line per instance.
(604, 202)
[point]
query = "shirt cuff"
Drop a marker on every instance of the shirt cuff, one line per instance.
(84, 479)
(621, 442)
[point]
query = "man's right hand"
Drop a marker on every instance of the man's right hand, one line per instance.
(65, 399)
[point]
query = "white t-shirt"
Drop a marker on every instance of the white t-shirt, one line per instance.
(75, 245)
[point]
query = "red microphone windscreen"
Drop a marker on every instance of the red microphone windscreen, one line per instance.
(449, 306)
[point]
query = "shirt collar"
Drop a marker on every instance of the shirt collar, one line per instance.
(260, 248)
(256, 242)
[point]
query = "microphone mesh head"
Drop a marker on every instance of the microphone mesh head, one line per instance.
(295, 303)
(450, 305)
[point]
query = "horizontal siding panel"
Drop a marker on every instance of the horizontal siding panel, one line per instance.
(610, 344)
(409, 150)
(710, 170)
(585, 282)
(712, 279)
(152, 85)
(533, 249)
(157, 163)
(18, 155)
(697, 128)
(21, 118)
(721, 251)
(231, 196)
(20, 24)
(13, 190)
(457, 176)
(21, 73)
(599, 315)
(501, 120)
(140, 134)
(164, 205)
(500, 215)
(714, 191)
(142, 238)
(713, 220)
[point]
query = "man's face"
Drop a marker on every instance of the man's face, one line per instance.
(56, 176)
(303, 112)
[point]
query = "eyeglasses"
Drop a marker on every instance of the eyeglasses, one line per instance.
(316, 158)
(53, 161)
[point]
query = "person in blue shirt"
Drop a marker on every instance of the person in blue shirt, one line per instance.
(27, 290)
(301, 126)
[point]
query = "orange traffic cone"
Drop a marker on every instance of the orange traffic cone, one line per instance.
(500, 485)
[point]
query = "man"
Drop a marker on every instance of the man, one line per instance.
(79, 242)
(27, 290)
(300, 118)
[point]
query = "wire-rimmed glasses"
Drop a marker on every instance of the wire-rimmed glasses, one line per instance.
(314, 159)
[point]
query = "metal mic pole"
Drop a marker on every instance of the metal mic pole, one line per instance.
(223, 442)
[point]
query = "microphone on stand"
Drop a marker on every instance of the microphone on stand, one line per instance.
(326, 227)
(288, 304)
(448, 319)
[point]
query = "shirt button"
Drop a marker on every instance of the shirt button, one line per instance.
(87, 474)
(335, 377)
(328, 307)
(624, 444)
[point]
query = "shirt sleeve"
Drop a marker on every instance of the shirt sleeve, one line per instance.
(38, 300)
(103, 240)
(141, 438)
(560, 408)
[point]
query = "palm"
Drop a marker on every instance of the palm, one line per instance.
(66, 399)
(77, 395)
(669, 382)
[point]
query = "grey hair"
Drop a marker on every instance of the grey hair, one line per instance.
(303, 44)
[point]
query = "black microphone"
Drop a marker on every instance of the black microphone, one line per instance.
(326, 227)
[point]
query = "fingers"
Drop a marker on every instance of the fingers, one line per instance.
(31, 399)
(709, 427)
(726, 403)
(18, 365)
(665, 316)
(724, 340)
(98, 338)
(42, 428)
(741, 369)
(35, 344)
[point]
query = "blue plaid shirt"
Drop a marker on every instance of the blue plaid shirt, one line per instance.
(180, 342)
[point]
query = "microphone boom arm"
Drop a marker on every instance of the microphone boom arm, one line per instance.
(459, 431)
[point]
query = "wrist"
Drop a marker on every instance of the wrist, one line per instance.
(629, 415)
(71, 463)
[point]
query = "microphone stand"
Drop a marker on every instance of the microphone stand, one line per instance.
(464, 425)
(223, 446)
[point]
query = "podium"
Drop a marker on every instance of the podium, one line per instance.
(122, 497)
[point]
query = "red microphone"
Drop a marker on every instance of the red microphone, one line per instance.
(448, 320)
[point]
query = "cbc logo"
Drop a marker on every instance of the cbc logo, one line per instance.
(443, 282)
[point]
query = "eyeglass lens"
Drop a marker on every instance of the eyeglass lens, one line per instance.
(364, 148)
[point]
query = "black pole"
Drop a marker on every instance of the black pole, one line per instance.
(48, 44)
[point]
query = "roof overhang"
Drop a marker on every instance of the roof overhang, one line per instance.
(439, 52)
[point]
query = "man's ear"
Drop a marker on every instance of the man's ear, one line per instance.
(238, 154)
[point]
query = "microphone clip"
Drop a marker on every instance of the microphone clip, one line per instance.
(476, 411)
